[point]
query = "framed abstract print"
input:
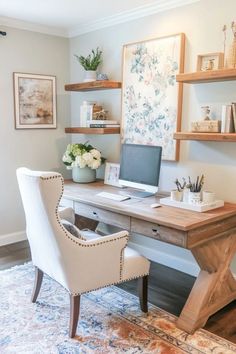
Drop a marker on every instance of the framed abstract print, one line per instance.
(151, 97)
(35, 101)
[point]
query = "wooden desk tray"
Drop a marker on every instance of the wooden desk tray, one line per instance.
(201, 207)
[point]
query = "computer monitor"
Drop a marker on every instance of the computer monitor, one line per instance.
(140, 167)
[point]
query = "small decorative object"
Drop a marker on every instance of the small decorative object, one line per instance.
(90, 64)
(83, 159)
(207, 125)
(112, 171)
(210, 61)
(205, 112)
(102, 77)
(195, 190)
(231, 59)
(151, 97)
(35, 101)
(100, 115)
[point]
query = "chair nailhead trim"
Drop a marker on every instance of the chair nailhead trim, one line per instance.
(105, 286)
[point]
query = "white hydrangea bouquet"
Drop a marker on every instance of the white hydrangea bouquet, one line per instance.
(82, 155)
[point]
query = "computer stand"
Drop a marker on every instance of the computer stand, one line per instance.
(135, 193)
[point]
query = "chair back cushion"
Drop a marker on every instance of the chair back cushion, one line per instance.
(41, 193)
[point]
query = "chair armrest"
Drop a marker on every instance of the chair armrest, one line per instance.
(67, 214)
(122, 235)
(96, 263)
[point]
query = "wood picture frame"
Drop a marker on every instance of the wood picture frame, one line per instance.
(34, 101)
(210, 61)
(112, 171)
(151, 97)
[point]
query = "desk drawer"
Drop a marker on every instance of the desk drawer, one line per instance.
(108, 217)
(158, 232)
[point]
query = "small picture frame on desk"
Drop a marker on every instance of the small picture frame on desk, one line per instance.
(210, 61)
(112, 171)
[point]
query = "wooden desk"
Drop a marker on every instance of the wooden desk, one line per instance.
(210, 236)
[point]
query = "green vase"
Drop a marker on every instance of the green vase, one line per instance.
(83, 175)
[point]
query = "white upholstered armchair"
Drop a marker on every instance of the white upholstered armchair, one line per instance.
(79, 265)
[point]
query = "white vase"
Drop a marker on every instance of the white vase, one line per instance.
(83, 175)
(90, 75)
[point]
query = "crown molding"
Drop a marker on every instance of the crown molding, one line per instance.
(130, 15)
(30, 26)
(126, 16)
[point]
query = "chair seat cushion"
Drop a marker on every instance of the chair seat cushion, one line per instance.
(89, 234)
(67, 213)
(71, 228)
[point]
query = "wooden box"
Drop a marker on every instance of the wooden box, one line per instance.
(206, 126)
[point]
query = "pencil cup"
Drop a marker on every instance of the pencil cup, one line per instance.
(194, 197)
(176, 195)
(208, 197)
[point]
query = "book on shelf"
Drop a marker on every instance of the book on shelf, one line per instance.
(98, 121)
(104, 126)
(234, 114)
(227, 125)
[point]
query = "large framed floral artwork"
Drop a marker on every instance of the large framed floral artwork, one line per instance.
(35, 101)
(151, 97)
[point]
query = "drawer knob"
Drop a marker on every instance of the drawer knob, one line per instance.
(94, 213)
(155, 232)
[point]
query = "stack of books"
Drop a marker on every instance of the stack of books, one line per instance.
(228, 118)
(103, 124)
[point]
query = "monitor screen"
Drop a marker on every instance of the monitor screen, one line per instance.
(140, 164)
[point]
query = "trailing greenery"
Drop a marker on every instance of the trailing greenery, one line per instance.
(92, 61)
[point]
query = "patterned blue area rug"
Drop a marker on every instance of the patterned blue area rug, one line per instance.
(110, 322)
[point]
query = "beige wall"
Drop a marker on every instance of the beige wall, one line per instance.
(202, 23)
(28, 52)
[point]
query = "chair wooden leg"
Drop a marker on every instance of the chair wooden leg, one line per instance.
(37, 284)
(143, 293)
(74, 314)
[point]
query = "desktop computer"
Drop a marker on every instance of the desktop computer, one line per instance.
(140, 169)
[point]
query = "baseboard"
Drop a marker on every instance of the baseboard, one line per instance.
(12, 238)
(167, 259)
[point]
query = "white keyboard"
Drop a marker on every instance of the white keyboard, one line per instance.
(117, 197)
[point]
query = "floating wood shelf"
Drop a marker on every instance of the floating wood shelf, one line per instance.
(227, 137)
(80, 130)
(93, 86)
(207, 76)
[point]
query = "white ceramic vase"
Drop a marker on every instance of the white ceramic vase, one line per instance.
(90, 75)
(83, 175)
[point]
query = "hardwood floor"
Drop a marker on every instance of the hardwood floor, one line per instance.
(168, 289)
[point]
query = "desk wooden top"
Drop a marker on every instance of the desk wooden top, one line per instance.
(140, 208)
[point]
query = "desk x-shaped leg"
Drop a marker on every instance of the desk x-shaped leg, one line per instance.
(215, 285)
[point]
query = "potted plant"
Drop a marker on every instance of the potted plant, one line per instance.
(90, 64)
(83, 159)
(177, 194)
